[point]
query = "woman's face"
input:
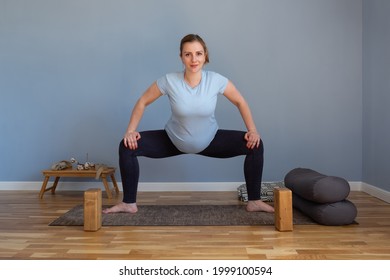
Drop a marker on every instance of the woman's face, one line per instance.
(193, 56)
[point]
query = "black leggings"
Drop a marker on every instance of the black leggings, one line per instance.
(156, 144)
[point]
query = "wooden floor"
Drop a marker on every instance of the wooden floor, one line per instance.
(25, 234)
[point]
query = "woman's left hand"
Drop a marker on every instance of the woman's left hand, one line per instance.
(253, 139)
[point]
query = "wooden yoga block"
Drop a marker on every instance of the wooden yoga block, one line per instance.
(92, 210)
(283, 209)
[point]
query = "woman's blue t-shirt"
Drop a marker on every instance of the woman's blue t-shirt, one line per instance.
(192, 125)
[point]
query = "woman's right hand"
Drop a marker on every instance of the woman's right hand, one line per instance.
(130, 139)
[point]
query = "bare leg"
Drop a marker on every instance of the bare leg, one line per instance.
(122, 207)
(258, 205)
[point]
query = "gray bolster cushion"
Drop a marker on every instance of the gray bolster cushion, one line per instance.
(316, 187)
(330, 214)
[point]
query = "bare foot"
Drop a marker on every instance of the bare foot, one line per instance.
(258, 205)
(122, 207)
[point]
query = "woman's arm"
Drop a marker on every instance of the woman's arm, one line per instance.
(234, 96)
(131, 136)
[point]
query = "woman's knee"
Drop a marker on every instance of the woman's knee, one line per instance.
(261, 145)
(258, 150)
(121, 146)
(123, 150)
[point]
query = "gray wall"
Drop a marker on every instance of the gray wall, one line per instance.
(70, 72)
(376, 93)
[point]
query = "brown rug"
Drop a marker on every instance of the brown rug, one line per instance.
(181, 215)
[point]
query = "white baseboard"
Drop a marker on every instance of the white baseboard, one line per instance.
(191, 186)
(371, 190)
(173, 186)
(143, 186)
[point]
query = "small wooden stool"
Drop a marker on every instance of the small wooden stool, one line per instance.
(92, 209)
(108, 172)
(283, 209)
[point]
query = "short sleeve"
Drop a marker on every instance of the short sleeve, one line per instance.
(222, 82)
(162, 84)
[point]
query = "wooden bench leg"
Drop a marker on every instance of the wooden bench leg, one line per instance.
(53, 188)
(114, 183)
(44, 185)
(43, 188)
(107, 187)
(283, 209)
(92, 210)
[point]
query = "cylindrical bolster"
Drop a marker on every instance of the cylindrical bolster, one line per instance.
(330, 214)
(316, 187)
